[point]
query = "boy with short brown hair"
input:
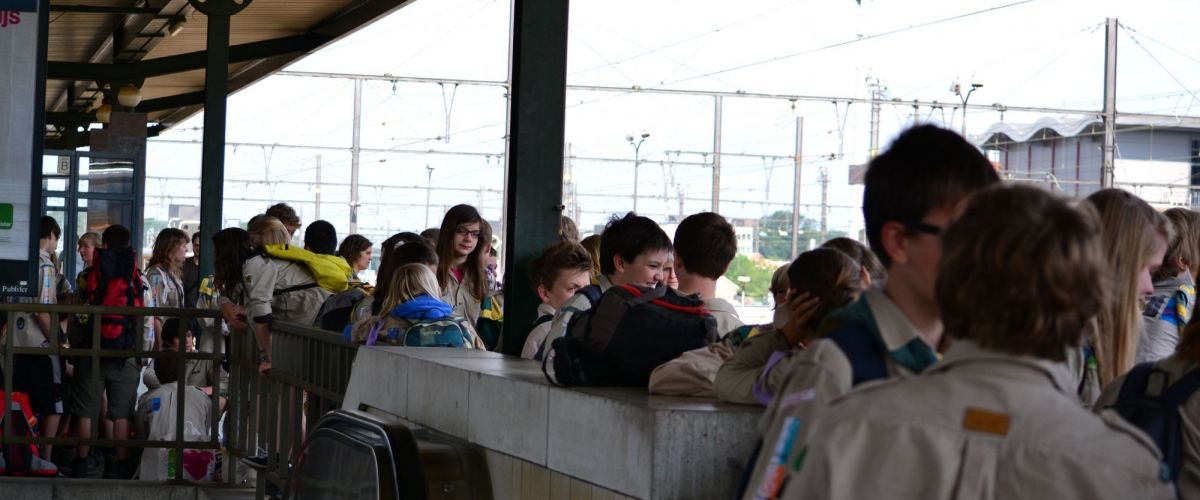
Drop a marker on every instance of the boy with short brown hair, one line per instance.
(556, 274)
(704, 246)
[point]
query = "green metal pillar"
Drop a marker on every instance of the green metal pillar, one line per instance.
(216, 89)
(537, 110)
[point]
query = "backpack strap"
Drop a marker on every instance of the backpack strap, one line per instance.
(592, 292)
(1136, 383)
(295, 288)
(1171, 399)
(543, 319)
(862, 350)
(1182, 389)
(374, 335)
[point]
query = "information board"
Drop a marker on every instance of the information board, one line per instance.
(21, 101)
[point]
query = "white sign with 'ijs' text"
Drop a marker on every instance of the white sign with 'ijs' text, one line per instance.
(18, 105)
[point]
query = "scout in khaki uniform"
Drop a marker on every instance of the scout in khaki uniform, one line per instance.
(820, 281)
(913, 191)
(998, 418)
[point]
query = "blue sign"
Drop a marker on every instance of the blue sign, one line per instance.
(20, 5)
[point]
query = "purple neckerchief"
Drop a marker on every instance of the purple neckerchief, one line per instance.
(760, 387)
(375, 332)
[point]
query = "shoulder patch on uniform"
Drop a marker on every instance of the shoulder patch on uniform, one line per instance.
(991, 422)
(247, 278)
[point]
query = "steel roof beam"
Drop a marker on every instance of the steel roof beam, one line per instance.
(104, 9)
(191, 61)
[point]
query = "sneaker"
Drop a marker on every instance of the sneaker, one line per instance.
(40, 467)
(115, 468)
(257, 462)
(85, 468)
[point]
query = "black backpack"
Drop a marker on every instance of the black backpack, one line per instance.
(627, 333)
(336, 310)
(1154, 408)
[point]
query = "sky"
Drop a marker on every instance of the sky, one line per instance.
(445, 142)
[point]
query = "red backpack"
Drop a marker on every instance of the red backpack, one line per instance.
(22, 459)
(115, 281)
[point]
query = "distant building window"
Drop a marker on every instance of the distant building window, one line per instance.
(1195, 181)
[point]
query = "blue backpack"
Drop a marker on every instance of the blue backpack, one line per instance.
(1154, 408)
(450, 331)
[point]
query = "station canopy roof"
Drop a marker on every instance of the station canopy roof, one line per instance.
(159, 45)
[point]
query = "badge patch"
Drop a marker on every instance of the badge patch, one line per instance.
(990, 422)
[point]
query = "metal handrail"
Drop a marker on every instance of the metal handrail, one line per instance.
(93, 313)
(310, 372)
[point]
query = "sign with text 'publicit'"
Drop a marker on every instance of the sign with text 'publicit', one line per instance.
(20, 100)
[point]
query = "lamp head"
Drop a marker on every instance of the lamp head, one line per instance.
(129, 96)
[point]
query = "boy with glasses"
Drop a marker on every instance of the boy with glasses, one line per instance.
(913, 191)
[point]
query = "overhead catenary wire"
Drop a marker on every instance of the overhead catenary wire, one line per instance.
(864, 38)
(1164, 67)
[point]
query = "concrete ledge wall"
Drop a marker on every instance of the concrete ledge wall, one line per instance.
(621, 439)
(63, 489)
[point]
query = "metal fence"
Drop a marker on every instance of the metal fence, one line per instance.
(310, 369)
(266, 416)
(86, 320)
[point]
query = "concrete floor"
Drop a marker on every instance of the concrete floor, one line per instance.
(94, 489)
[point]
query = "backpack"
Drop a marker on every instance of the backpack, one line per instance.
(335, 311)
(331, 272)
(626, 334)
(114, 281)
(1154, 408)
(22, 459)
(450, 331)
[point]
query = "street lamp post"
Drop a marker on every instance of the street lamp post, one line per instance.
(637, 162)
(743, 281)
(428, 191)
(957, 89)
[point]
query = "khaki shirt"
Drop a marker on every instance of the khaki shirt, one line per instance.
(264, 275)
(196, 413)
(813, 378)
(737, 377)
(533, 342)
(724, 313)
(979, 425)
(459, 297)
(27, 332)
(1189, 473)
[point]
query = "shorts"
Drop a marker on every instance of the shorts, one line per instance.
(40, 377)
(118, 378)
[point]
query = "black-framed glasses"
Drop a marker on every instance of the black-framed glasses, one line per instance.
(924, 227)
(463, 231)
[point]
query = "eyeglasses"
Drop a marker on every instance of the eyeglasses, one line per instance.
(924, 227)
(463, 231)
